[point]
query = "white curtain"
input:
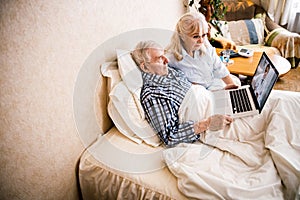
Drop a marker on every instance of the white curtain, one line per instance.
(284, 12)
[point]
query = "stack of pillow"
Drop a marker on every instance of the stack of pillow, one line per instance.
(124, 107)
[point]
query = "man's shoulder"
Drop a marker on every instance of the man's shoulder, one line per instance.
(176, 71)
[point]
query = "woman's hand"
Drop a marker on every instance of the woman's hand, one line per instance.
(229, 83)
(230, 86)
(225, 43)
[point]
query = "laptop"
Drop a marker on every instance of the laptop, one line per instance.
(250, 99)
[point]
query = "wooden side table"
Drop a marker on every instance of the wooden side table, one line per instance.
(247, 66)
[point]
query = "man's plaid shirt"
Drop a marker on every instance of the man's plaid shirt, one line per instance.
(161, 97)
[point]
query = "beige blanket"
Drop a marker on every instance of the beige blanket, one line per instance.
(254, 158)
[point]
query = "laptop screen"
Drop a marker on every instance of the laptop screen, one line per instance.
(264, 79)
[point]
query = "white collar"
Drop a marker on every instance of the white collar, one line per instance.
(196, 53)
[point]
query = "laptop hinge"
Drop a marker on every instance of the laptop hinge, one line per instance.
(255, 99)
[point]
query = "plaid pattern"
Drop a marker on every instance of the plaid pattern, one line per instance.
(161, 97)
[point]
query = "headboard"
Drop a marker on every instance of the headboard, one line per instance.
(90, 96)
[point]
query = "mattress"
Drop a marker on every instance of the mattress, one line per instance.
(115, 167)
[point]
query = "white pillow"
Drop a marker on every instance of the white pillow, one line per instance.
(110, 70)
(121, 124)
(131, 75)
(243, 32)
(131, 124)
(129, 71)
(126, 116)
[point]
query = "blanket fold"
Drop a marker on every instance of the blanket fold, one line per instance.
(256, 157)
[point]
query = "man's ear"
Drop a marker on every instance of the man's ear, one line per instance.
(143, 67)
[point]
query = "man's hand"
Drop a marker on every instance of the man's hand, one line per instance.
(218, 122)
(213, 123)
(201, 126)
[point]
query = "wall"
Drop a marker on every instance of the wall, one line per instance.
(43, 45)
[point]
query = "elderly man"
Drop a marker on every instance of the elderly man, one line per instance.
(163, 92)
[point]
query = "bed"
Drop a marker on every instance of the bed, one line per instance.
(255, 158)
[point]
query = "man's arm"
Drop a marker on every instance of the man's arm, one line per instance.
(161, 115)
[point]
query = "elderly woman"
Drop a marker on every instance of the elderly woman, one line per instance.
(191, 52)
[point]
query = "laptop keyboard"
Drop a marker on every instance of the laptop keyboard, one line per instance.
(240, 101)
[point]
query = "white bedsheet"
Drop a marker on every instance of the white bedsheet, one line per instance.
(254, 158)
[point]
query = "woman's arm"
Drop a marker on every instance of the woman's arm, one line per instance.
(229, 83)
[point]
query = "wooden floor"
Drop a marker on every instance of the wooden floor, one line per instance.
(290, 81)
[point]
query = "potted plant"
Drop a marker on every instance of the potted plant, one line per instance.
(216, 7)
(213, 10)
